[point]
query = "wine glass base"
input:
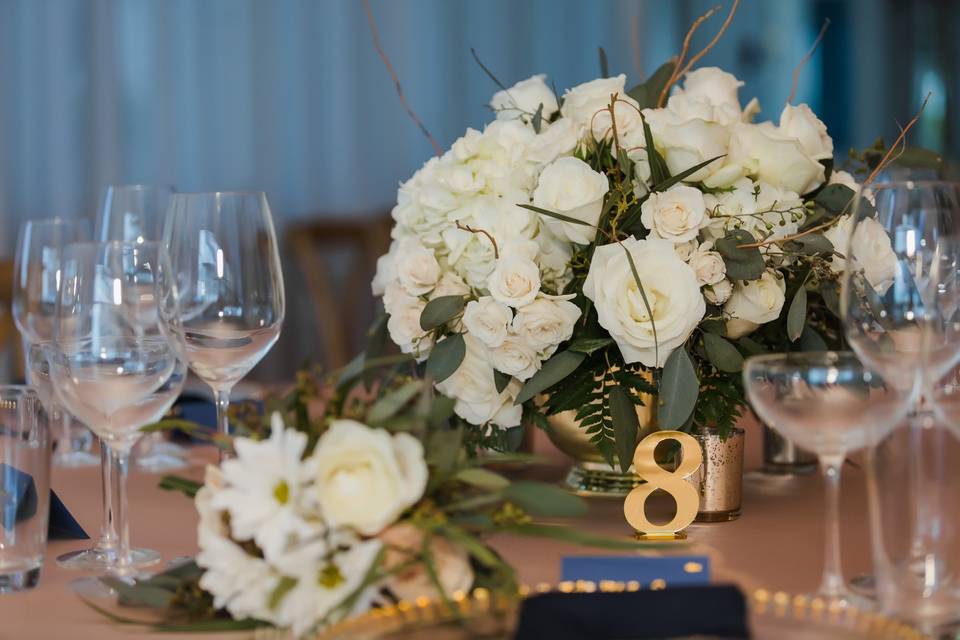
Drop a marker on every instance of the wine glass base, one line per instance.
(864, 585)
(76, 459)
(846, 599)
(160, 462)
(100, 561)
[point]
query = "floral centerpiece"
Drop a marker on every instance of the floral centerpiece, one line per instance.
(587, 248)
(347, 498)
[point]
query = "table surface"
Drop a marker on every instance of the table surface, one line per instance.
(777, 543)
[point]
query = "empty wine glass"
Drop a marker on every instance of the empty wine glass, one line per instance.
(111, 364)
(830, 404)
(36, 277)
(135, 213)
(224, 300)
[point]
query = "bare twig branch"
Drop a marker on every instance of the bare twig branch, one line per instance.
(716, 38)
(396, 81)
(496, 251)
(683, 54)
(888, 157)
(805, 59)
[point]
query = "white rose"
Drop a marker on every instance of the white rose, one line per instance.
(838, 176)
(802, 123)
(686, 141)
(515, 280)
(546, 322)
(671, 290)
(451, 564)
(555, 140)
(686, 249)
(473, 386)
(712, 85)
(450, 284)
(676, 214)
(487, 320)
(460, 179)
(839, 236)
(718, 293)
(386, 271)
(523, 99)
(584, 100)
(767, 153)
(569, 186)
(872, 252)
(708, 265)
(516, 358)
(365, 478)
(417, 267)
(466, 146)
(753, 303)
(404, 325)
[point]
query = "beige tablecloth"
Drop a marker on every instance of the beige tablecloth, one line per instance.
(777, 543)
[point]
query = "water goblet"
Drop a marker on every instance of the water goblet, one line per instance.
(831, 404)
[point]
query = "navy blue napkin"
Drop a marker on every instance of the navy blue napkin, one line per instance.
(22, 504)
(719, 611)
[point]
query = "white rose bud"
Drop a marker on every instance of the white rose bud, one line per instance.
(717, 294)
(839, 236)
(802, 123)
(712, 85)
(764, 151)
(753, 303)
(417, 267)
(686, 249)
(404, 325)
(708, 265)
(676, 214)
(516, 358)
(353, 460)
(569, 186)
(515, 281)
(584, 100)
(557, 139)
(487, 320)
(872, 252)
(672, 294)
(523, 99)
(546, 322)
(686, 140)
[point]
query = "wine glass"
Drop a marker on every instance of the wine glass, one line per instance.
(111, 364)
(224, 300)
(36, 277)
(135, 213)
(831, 404)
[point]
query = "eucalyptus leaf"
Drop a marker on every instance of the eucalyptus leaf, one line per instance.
(831, 297)
(440, 311)
(553, 371)
(835, 198)
(445, 357)
(545, 500)
(743, 263)
(722, 354)
(443, 448)
(751, 346)
(626, 425)
(473, 545)
(513, 437)
(679, 388)
(441, 410)
(137, 594)
(797, 314)
(186, 486)
(483, 478)
(390, 403)
(589, 345)
(810, 244)
(647, 93)
(810, 340)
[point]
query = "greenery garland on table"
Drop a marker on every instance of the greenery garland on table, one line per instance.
(346, 494)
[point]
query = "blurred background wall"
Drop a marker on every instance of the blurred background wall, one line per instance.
(289, 96)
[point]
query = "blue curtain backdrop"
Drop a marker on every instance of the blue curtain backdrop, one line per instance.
(290, 97)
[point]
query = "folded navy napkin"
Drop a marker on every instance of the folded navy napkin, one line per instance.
(21, 502)
(718, 611)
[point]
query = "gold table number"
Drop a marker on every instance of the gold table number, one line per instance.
(673, 482)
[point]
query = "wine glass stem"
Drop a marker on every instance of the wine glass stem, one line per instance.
(222, 399)
(832, 584)
(108, 532)
(121, 462)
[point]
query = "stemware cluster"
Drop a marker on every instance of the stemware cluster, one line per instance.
(169, 281)
(895, 395)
